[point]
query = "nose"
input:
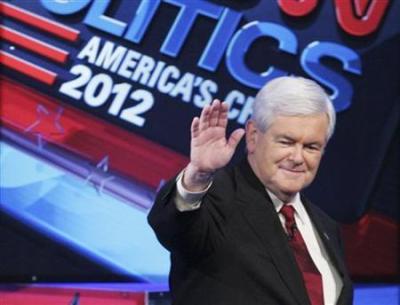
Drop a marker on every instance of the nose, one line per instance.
(297, 154)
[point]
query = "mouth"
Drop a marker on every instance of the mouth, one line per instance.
(293, 171)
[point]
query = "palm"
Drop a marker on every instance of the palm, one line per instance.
(210, 149)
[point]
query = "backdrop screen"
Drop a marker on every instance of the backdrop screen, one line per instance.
(97, 97)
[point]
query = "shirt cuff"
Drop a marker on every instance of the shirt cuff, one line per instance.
(186, 200)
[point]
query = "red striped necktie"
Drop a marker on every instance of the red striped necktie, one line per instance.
(311, 276)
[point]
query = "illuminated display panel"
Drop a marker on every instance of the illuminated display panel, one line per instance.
(97, 99)
(70, 210)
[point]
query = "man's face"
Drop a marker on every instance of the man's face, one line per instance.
(286, 157)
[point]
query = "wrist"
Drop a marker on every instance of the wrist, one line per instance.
(195, 179)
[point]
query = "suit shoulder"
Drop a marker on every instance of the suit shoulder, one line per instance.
(322, 215)
(225, 177)
(325, 219)
(224, 186)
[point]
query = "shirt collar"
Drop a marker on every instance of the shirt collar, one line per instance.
(296, 203)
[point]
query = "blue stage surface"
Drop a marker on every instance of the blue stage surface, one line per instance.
(376, 294)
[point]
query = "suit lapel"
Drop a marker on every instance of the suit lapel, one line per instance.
(333, 252)
(259, 212)
(325, 236)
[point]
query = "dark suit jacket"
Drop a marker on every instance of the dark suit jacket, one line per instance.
(233, 249)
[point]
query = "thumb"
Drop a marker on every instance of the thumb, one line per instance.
(235, 137)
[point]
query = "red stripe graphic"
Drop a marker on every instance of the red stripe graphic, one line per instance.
(39, 22)
(33, 44)
(131, 155)
(27, 68)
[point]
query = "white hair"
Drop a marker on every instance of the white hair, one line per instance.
(291, 96)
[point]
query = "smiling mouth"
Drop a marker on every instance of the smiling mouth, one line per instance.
(292, 171)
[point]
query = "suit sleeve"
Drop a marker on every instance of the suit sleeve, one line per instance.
(195, 232)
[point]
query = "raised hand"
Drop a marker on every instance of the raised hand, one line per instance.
(209, 148)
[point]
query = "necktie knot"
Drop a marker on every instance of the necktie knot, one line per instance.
(288, 212)
(290, 224)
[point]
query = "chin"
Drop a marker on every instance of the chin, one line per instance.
(291, 189)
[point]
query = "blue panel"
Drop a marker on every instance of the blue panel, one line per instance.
(377, 295)
(66, 208)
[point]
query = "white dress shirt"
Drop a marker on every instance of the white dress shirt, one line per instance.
(331, 281)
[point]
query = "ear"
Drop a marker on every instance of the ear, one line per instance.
(251, 136)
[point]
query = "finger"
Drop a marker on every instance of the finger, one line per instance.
(205, 117)
(235, 137)
(223, 115)
(195, 128)
(214, 114)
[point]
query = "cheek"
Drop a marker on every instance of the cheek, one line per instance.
(313, 163)
(280, 158)
(268, 166)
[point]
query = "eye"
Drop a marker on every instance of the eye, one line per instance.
(284, 142)
(313, 147)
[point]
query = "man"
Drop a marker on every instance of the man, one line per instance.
(245, 235)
